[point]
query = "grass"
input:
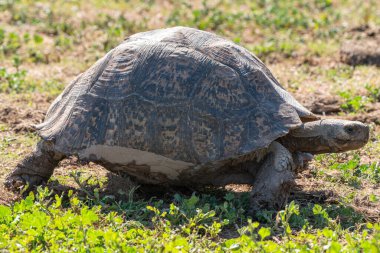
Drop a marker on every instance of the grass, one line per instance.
(354, 102)
(17, 82)
(336, 206)
(47, 222)
(10, 143)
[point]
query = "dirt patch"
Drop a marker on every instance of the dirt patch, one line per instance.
(238, 188)
(313, 190)
(19, 119)
(329, 105)
(369, 117)
(22, 114)
(7, 197)
(362, 47)
(323, 104)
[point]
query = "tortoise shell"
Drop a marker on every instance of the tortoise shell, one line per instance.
(180, 93)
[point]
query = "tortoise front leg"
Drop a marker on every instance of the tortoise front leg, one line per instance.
(274, 179)
(36, 168)
(301, 161)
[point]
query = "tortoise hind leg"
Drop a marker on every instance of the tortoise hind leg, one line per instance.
(274, 179)
(36, 168)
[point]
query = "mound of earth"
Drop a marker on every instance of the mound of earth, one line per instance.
(21, 117)
(321, 103)
(371, 116)
(362, 48)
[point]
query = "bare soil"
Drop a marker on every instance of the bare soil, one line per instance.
(323, 104)
(372, 115)
(363, 47)
(22, 116)
(7, 197)
(313, 190)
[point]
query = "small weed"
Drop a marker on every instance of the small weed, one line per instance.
(352, 171)
(12, 142)
(373, 198)
(352, 103)
(9, 42)
(232, 209)
(63, 41)
(284, 216)
(322, 48)
(284, 47)
(12, 82)
(71, 224)
(37, 56)
(373, 92)
(337, 74)
(17, 82)
(293, 14)
(207, 17)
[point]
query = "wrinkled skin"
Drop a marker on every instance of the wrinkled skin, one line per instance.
(327, 136)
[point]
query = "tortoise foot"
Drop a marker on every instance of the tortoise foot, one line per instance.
(273, 182)
(34, 169)
(301, 161)
(19, 181)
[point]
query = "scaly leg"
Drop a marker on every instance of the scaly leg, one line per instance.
(274, 179)
(301, 161)
(36, 168)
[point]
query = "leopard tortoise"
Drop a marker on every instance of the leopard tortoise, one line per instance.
(181, 106)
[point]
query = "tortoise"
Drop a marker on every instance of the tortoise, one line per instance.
(181, 106)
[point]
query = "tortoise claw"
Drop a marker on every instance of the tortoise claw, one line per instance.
(301, 161)
(14, 183)
(34, 169)
(18, 182)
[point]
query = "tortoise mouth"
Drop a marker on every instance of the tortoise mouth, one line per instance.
(341, 145)
(341, 141)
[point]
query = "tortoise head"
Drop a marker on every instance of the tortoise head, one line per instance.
(328, 136)
(344, 135)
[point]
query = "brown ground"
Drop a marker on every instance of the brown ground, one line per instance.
(363, 47)
(311, 190)
(7, 197)
(20, 115)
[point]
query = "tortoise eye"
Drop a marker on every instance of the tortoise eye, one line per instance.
(349, 130)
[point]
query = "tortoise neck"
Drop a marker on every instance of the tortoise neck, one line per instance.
(308, 138)
(312, 145)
